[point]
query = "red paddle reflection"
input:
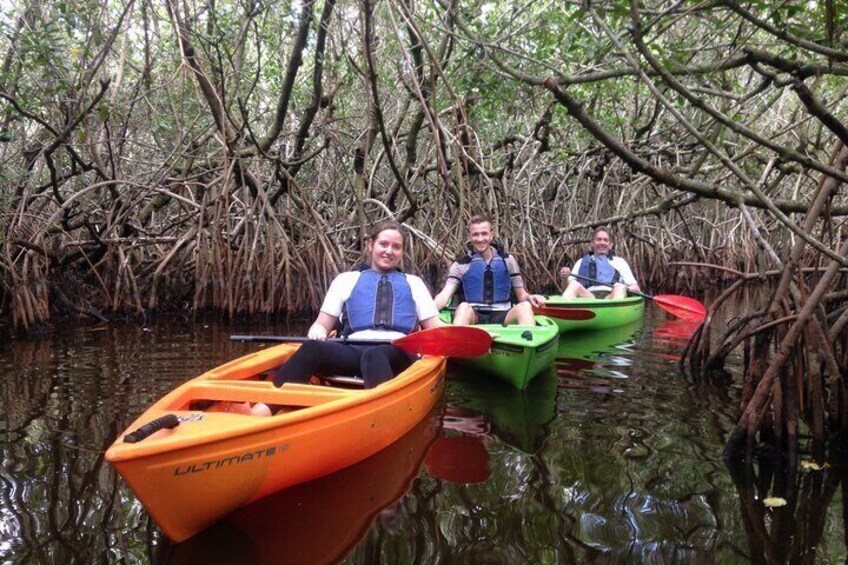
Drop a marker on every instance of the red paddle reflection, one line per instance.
(460, 458)
(677, 329)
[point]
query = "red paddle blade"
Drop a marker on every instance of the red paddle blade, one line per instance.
(564, 313)
(681, 306)
(447, 341)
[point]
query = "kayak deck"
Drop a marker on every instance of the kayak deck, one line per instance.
(592, 313)
(518, 353)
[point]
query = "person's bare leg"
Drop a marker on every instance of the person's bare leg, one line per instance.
(464, 315)
(618, 291)
(576, 290)
(522, 314)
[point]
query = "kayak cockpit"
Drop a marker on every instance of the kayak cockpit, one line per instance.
(291, 396)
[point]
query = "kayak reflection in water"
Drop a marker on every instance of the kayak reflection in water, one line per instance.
(375, 301)
(600, 265)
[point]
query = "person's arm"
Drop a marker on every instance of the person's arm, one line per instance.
(322, 326)
(517, 282)
(331, 309)
(425, 306)
(455, 275)
(565, 272)
(445, 295)
(627, 276)
(433, 322)
(523, 296)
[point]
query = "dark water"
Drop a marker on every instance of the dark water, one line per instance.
(610, 457)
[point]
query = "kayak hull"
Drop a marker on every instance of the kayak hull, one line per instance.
(577, 314)
(518, 353)
(213, 462)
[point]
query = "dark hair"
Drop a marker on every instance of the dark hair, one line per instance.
(477, 219)
(601, 229)
(386, 225)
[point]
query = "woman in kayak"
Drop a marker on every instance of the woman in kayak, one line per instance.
(375, 301)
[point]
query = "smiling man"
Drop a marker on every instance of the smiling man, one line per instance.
(601, 266)
(487, 277)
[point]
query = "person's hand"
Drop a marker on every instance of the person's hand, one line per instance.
(565, 272)
(537, 300)
(317, 332)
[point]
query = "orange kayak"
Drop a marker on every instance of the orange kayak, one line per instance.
(217, 459)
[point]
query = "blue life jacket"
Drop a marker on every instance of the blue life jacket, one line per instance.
(487, 283)
(380, 302)
(599, 268)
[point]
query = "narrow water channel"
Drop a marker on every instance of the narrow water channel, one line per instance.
(612, 456)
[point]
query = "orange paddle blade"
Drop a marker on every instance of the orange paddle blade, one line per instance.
(681, 306)
(448, 341)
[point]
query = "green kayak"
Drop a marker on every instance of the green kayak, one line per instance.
(592, 313)
(518, 353)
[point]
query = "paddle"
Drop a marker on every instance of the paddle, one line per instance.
(560, 312)
(680, 306)
(447, 341)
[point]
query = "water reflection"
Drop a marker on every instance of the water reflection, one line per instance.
(614, 458)
(519, 418)
(811, 523)
(459, 454)
(65, 397)
(675, 331)
(315, 522)
(596, 359)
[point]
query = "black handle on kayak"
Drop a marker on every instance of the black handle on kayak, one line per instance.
(167, 421)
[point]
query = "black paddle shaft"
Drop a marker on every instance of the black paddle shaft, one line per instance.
(593, 281)
(301, 339)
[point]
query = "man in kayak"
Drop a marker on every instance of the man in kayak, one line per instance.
(375, 301)
(487, 277)
(599, 266)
